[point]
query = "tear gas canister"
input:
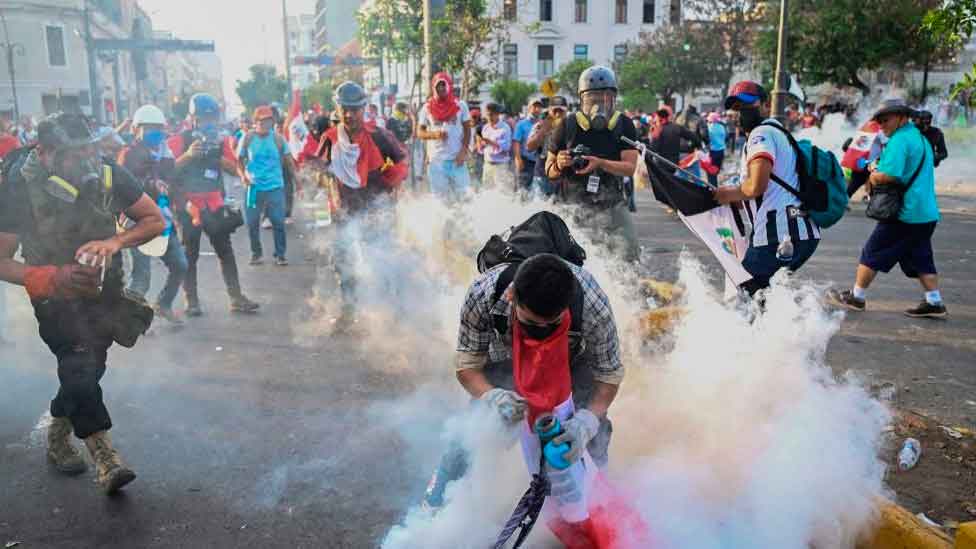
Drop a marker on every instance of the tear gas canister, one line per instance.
(565, 478)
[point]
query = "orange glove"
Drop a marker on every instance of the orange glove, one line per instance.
(65, 282)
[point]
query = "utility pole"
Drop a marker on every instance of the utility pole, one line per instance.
(11, 48)
(782, 80)
(428, 56)
(95, 96)
(284, 24)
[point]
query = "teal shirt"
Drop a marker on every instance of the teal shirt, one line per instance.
(905, 149)
(263, 161)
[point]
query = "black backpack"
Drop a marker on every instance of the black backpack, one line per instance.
(544, 232)
(13, 159)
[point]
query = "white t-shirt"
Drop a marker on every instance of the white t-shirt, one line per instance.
(777, 205)
(441, 150)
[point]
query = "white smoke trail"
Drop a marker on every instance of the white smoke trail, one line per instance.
(734, 435)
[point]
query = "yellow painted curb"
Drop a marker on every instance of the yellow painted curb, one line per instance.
(966, 536)
(900, 529)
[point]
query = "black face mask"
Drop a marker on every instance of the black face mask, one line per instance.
(535, 331)
(749, 119)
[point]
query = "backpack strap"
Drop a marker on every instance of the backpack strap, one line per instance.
(800, 163)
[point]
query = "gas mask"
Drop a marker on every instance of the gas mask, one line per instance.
(597, 106)
(153, 138)
(82, 174)
(750, 118)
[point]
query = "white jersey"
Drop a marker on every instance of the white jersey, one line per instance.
(776, 214)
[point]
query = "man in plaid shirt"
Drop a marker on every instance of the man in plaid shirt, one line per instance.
(533, 306)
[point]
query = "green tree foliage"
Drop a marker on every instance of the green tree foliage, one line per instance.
(955, 21)
(513, 94)
(675, 59)
(567, 77)
(833, 40)
(319, 92)
(264, 86)
(733, 24)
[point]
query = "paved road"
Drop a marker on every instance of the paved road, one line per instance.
(265, 431)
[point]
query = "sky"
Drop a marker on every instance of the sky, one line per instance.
(244, 32)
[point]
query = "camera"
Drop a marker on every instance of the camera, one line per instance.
(211, 142)
(577, 154)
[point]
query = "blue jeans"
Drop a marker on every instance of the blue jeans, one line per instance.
(175, 261)
(272, 204)
(761, 262)
(448, 180)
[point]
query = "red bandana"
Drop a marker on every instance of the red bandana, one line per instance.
(541, 368)
(442, 110)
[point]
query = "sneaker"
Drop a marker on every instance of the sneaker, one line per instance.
(243, 305)
(256, 260)
(266, 224)
(281, 262)
(846, 300)
(927, 310)
(168, 314)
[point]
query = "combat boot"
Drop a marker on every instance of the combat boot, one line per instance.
(110, 473)
(60, 452)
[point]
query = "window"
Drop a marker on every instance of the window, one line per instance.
(545, 10)
(619, 53)
(510, 61)
(581, 11)
(55, 46)
(547, 64)
(648, 12)
(581, 51)
(510, 10)
(620, 16)
(675, 12)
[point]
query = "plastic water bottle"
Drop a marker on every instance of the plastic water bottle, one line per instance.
(909, 454)
(784, 252)
(565, 478)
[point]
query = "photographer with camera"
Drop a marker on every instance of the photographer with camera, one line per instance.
(202, 155)
(588, 158)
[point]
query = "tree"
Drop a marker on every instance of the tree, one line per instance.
(734, 24)
(833, 40)
(513, 94)
(319, 92)
(265, 86)
(393, 30)
(468, 42)
(954, 22)
(675, 59)
(567, 77)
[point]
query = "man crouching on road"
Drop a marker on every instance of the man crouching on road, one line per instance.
(61, 208)
(522, 351)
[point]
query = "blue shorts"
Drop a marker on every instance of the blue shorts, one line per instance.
(448, 180)
(907, 244)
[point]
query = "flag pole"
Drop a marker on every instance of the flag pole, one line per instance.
(645, 151)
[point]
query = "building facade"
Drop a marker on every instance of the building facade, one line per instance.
(336, 27)
(301, 43)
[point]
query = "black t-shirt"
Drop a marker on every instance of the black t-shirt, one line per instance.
(15, 212)
(602, 143)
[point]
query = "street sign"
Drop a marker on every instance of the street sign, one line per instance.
(329, 60)
(548, 87)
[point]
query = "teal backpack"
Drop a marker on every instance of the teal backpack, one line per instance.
(823, 189)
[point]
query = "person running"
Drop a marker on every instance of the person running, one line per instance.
(445, 124)
(263, 160)
(60, 208)
(908, 161)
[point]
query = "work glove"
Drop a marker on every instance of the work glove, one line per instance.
(61, 282)
(578, 431)
(509, 405)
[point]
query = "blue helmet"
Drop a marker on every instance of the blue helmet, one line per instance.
(203, 104)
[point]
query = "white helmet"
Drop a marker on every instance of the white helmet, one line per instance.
(148, 114)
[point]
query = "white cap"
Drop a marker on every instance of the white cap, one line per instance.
(148, 114)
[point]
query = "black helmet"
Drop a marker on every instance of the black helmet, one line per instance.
(319, 124)
(63, 130)
(350, 94)
(597, 78)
